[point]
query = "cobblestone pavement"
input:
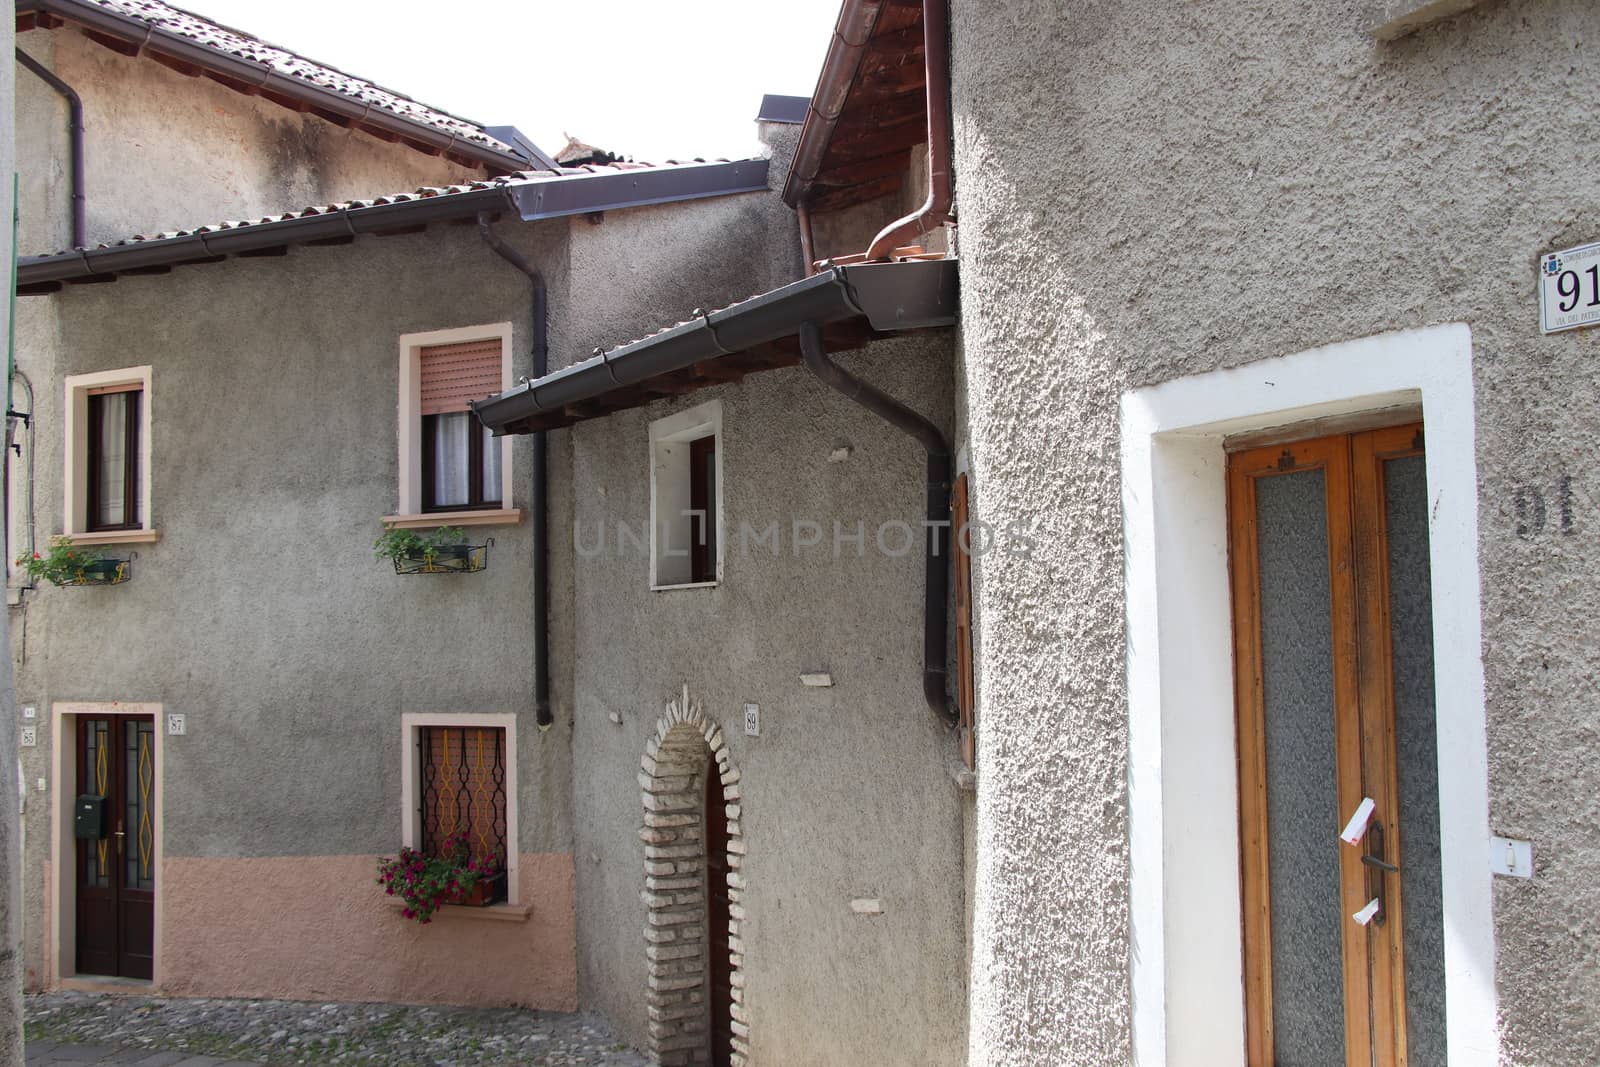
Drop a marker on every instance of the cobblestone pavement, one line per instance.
(84, 1029)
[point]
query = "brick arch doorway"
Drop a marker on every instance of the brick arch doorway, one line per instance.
(690, 792)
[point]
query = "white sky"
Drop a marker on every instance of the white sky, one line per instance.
(651, 80)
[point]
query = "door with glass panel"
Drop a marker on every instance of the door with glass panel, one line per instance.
(1333, 664)
(116, 876)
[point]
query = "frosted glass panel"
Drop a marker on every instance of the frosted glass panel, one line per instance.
(1411, 630)
(1302, 783)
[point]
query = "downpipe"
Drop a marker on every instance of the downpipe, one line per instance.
(935, 210)
(936, 591)
(539, 483)
(80, 199)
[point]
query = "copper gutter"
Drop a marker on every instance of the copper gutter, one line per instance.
(807, 252)
(935, 210)
(857, 18)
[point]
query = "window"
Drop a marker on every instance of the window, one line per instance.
(108, 456)
(685, 498)
(460, 778)
(448, 462)
(113, 474)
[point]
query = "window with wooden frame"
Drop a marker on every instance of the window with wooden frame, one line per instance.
(452, 470)
(112, 477)
(107, 468)
(460, 458)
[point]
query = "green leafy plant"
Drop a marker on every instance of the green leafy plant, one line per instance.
(427, 882)
(396, 544)
(63, 563)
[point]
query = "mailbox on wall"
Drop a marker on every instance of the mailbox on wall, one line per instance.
(89, 817)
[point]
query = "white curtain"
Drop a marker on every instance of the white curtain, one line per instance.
(450, 458)
(113, 504)
(491, 467)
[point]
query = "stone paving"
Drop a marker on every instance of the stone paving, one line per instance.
(85, 1029)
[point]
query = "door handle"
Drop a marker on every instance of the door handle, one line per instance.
(1377, 867)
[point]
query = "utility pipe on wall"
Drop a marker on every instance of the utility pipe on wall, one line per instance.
(937, 582)
(935, 210)
(539, 505)
(75, 136)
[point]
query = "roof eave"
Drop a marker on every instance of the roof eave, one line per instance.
(580, 194)
(887, 296)
(857, 19)
(179, 47)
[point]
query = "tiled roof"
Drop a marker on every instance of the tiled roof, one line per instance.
(427, 192)
(242, 46)
(528, 195)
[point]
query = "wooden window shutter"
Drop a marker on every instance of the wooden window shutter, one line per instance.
(964, 688)
(452, 375)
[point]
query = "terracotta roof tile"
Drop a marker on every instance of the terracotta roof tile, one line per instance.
(240, 45)
(427, 192)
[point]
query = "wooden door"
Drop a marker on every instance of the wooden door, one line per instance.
(116, 872)
(1334, 693)
(719, 967)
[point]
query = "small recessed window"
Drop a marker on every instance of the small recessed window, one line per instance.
(113, 457)
(107, 475)
(686, 498)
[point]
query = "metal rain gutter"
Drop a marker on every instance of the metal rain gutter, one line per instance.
(890, 296)
(254, 74)
(579, 194)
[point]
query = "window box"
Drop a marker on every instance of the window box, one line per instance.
(107, 571)
(67, 564)
(445, 559)
(484, 892)
(444, 551)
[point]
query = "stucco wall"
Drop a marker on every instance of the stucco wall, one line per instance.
(165, 151)
(261, 613)
(1181, 187)
(846, 794)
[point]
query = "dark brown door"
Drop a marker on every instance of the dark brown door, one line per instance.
(720, 966)
(116, 872)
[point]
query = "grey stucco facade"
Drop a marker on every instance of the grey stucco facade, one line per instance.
(1152, 192)
(261, 616)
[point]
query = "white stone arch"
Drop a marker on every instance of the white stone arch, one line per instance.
(686, 746)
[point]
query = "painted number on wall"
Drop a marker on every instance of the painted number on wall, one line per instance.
(1569, 289)
(1539, 509)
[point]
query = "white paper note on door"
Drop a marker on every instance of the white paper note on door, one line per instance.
(1357, 826)
(1366, 914)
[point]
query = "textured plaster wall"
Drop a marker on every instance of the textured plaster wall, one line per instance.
(261, 613)
(846, 794)
(165, 151)
(11, 872)
(1149, 191)
(317, 928)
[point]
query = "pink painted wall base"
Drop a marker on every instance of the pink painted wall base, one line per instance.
(320, 928)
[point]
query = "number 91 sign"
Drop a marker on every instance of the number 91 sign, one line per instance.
(1569, 289)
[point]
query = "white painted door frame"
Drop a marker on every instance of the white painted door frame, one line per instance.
(1187, 970)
